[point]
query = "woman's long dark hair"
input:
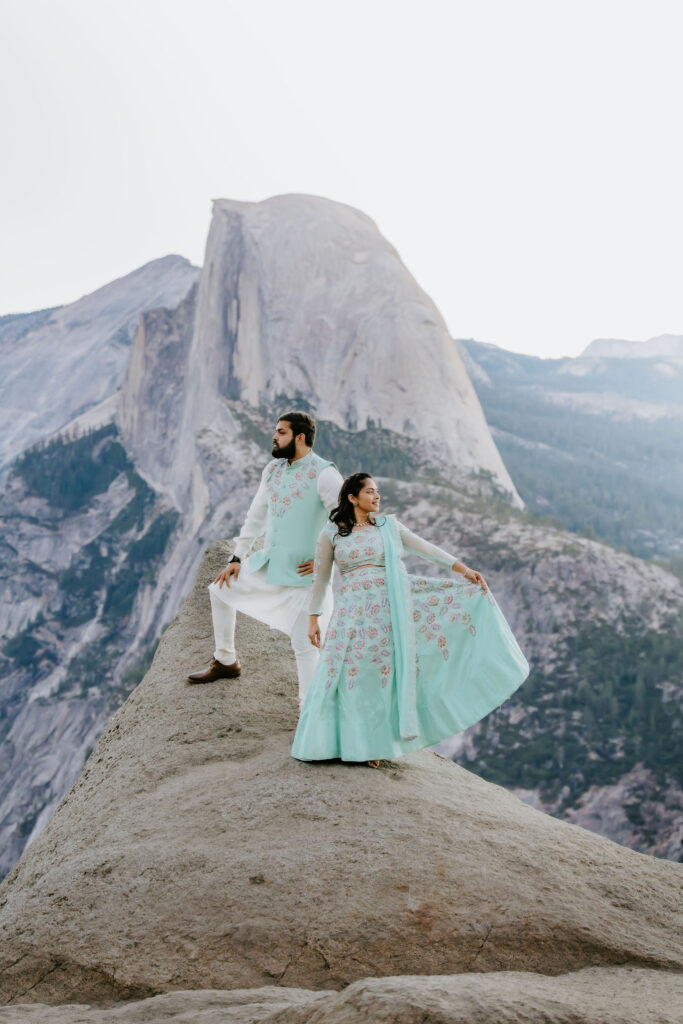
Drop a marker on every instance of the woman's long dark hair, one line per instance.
(343, 515)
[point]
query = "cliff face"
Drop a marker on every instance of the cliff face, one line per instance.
(302, 298)
(194, 852)
(85, 594)
(57, 364)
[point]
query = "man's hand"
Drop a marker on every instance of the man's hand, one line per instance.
(314, 630)
(232, 569)
(305, 568)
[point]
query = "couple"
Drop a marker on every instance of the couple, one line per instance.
(407, 661)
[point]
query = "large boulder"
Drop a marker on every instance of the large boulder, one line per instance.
(195, 853)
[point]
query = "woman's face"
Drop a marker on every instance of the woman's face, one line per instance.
(367, 499)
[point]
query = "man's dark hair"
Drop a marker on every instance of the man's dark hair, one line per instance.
(301, 423)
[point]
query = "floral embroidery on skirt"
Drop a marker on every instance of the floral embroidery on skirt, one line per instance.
(360, 635)
(467, 663)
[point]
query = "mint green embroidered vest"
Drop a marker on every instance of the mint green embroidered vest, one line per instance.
(296, 515)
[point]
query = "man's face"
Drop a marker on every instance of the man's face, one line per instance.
(284, 445)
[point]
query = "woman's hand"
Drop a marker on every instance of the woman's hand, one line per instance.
(475, 577)
(314, 630)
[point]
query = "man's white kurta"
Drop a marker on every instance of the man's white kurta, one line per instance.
(277, 605)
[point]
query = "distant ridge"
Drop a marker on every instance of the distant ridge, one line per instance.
(663, 346)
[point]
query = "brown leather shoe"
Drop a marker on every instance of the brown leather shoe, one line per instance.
(216, 670)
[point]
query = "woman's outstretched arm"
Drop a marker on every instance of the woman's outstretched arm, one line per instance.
(420, 546)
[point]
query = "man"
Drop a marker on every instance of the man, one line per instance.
(296, 492)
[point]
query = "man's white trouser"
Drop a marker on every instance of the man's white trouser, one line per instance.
(225, 614)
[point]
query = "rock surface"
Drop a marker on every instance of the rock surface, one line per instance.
(303, 297)
(194, 852)
(84, 593)
(240, 1006)
(623, 995)
(56, 364)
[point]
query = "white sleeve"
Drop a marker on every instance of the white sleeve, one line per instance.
(329, 486)
(322, 572)
(255, 523)
(417, 546)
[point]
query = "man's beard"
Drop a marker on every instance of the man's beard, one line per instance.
(287, 451)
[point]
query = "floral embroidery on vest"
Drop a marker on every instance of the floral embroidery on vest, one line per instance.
(285, 485)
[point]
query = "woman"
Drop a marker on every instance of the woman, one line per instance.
(407, 660)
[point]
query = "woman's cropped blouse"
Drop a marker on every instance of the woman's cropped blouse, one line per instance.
(359, 548)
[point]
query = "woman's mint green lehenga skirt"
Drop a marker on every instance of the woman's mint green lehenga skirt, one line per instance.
(467, 663)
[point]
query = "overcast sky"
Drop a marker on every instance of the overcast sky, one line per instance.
(524, 156)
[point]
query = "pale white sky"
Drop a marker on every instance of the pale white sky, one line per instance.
(523, 156)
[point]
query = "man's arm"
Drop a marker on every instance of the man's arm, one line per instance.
(329, 486)
(255, 523)
(253, 527)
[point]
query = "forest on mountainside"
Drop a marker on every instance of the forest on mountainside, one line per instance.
(609, 475)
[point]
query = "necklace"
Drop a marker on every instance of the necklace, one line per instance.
(362, 526)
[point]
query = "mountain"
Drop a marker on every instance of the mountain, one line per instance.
(664, 346)
(59, 363)
(595, 442)
(154, 438)
(194, 853)
(302, 300)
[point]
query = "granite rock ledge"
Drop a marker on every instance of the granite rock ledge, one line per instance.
(194, 853)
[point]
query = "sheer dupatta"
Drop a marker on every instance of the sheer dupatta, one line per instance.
(402, 627)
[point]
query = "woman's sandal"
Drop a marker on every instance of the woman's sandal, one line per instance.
(373, 764)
